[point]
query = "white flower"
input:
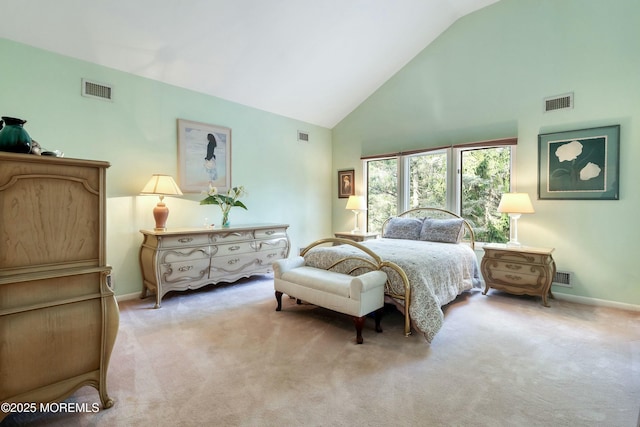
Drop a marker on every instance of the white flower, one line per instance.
(570, 151)
(591, 170)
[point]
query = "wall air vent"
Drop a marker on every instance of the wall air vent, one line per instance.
(558, 102)
(303, 136)
(96, 90)
(563, 278)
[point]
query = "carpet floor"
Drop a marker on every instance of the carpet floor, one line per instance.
(223, 356)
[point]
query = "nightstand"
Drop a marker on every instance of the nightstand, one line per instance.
(519, 270)
(359, 236)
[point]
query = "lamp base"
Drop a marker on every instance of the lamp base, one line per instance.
(356, 229)
(160, 214)
(513, 241)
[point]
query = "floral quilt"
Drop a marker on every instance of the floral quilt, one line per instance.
(437, 272)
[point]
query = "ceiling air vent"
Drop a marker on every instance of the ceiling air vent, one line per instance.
(303, 136)
(96, 90)
(559, 102)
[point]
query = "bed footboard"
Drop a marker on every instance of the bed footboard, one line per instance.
(371, 262)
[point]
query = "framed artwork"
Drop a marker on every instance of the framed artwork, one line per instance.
(346, 184)
(204, 156)
(579, 164)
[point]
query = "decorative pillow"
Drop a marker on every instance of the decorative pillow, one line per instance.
(442, 230)
(403, 228)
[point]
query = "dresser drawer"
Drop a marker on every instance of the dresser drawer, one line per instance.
(233, 249)
(186, 241)
(265, 245)
(271, 233)
(233, 263)
(231, 236)
(266, 258)
(184, 270)
(186, 254)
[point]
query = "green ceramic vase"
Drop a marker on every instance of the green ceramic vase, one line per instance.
(13, 137)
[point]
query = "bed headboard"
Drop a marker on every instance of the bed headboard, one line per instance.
(437, 213)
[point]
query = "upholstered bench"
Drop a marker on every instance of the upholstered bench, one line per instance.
(356, 296)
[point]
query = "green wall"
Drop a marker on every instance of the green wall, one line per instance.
(485, 78)
(288, 181)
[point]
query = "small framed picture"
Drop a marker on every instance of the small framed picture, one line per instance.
(204, 157)
(346, 183)
(579, 164)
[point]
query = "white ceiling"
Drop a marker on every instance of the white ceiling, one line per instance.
(312, 60)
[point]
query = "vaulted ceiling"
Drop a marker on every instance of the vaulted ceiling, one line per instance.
(311, 60)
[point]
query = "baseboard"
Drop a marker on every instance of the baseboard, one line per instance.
(127, 297)
(558, 295)
(596, 302)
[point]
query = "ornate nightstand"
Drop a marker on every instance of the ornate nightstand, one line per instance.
(359, 236)
(520, 270)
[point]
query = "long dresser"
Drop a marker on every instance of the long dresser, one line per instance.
(189, 258)
(58, 315)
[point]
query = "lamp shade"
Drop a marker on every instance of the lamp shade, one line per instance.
(515, 203)
(356, 203)
(162, 185)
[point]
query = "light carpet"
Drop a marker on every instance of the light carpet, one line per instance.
(223, 356)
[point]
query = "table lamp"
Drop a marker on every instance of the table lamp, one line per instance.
(515, 204)
(356, 204)
(161, 185)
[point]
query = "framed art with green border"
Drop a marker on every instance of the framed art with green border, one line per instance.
(579, 164)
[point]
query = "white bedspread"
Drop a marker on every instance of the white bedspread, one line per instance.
(437, 272)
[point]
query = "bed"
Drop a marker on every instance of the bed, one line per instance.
(428, 255)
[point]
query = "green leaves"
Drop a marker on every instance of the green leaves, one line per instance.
(225, 201)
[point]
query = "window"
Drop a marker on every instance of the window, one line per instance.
(382, 191)
(485, 175)
(468, 180)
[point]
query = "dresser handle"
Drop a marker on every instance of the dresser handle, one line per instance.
(270, 232)
(234, 248)
(186, 268)
(513, 266)
(512, 277)
(185, 239)
(233, 261)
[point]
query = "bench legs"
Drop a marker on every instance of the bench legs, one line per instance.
(358, 321)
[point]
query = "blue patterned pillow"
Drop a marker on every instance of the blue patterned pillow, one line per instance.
(442, 230)
(403, 228)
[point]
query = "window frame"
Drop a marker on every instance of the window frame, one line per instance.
(453, 174)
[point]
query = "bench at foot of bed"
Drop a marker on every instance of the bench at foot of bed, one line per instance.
(356, 296)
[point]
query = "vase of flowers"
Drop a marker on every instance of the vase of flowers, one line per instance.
(225, 201)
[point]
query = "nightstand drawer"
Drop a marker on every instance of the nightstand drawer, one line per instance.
(523, 257)
(521, 276)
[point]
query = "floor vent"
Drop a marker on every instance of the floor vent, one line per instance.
(96, 90)
(559, 102)
(563, 278)
(303, 136)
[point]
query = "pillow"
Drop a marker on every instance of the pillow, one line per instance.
(403, 228)
(442, 230)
